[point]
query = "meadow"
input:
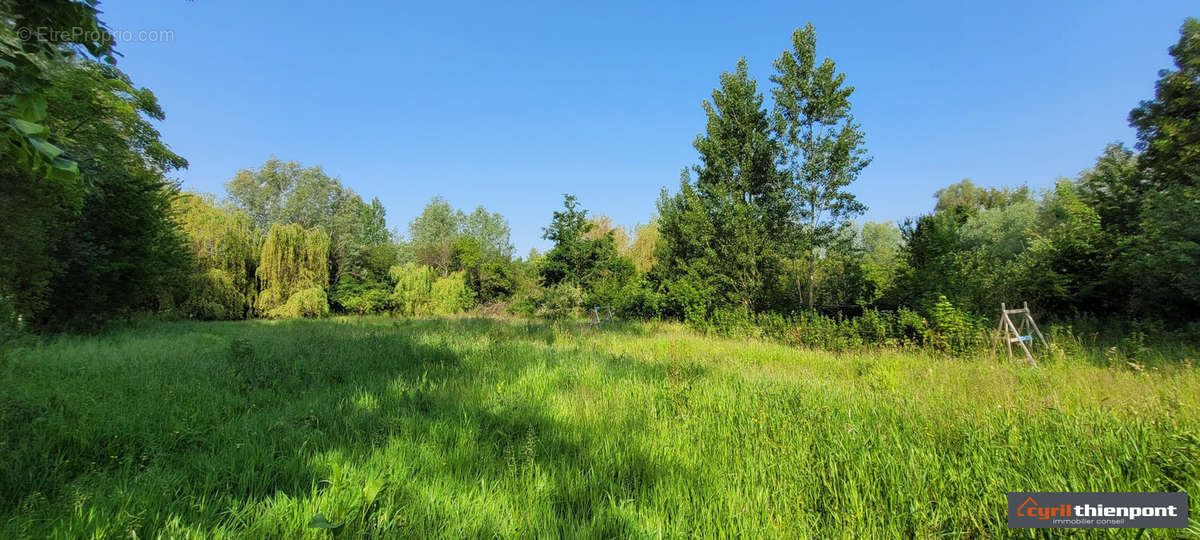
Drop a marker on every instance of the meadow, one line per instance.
(482, 427)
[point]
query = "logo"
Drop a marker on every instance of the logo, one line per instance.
(1053, 510)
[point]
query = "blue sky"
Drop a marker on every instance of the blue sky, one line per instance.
(512, 104)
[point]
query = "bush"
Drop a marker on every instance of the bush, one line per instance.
(820, 331)
(774, 325)
(688, 301)
(213, 296)
(11, 327)
(419, 293)
(450, 295)
(876, 327)
(561, 301)
(523, 305)
(414, 288)
(732, 322)
(606, 293)
(911, 327)
(310, 302)
(637, 300)
(368, 302)
(361, 296)
(952, 331)
(496, 281)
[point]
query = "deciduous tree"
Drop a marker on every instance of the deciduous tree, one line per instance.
(226, 252)
(822, 148)
(432, 234)
(294, 261)
(723, 232)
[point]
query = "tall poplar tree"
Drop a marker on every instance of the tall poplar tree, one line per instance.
(822, 147)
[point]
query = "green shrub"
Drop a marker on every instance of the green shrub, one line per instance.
(414, 288)
(732, 322)
(876, 327)
(911, 327)
(561, 301)
(688, 301)
(523, 304)
(1190, 333)
(310, 302)
(637, 300)
(419, 293)
(361, 296)
(213, 296)
(1134, 346)
(952, 331)
(450, 294)
(368, 302)
(823, 332)
(774, 325)
(495, 280)
(12, 330)
(602, 292)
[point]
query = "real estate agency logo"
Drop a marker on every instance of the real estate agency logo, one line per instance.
(1097, 510)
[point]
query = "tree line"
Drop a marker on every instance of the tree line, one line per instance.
(761, 228)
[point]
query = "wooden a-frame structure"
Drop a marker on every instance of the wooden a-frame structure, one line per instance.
(601, 314)
(1020, 333)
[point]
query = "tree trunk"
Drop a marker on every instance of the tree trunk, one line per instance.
(812, 252)
(812, 278)
(799, 278)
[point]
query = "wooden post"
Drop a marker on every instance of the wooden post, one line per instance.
(1029, 316)
(999, 332)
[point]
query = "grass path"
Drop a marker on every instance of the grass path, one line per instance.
(478, 428)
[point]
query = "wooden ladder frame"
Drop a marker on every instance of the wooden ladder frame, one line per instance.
(1013, 333)
(597, 318)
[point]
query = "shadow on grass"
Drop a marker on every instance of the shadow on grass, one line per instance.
(148, 438)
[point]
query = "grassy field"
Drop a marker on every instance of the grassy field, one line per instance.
(467, 428)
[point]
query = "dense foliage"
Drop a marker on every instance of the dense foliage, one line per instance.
(758, 236)
(36, 38)
(1119, 242)
(513, 427)
(80, 252)
(293, 272)
(226, 254)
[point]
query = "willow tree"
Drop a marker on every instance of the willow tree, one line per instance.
(414, 288)
(293, 272)
(420, 292)
(222, 241)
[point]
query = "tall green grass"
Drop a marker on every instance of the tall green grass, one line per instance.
(464, 428)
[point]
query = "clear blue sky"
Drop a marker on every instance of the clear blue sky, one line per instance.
(510, 105)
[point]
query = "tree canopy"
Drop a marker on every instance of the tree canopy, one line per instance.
(760, 226)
